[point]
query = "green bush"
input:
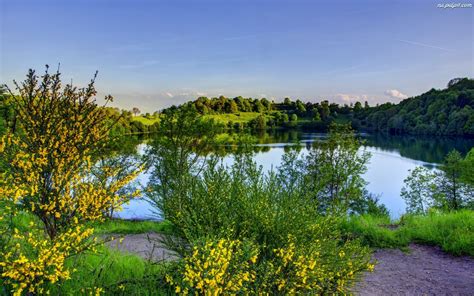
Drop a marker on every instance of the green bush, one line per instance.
(294, 225)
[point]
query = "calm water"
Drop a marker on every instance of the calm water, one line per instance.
(392, 158)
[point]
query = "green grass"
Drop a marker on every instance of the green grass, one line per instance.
(132, 227)
(116, 272)
(240, 117)
(374, 231)
(146, 121)
(453, 231)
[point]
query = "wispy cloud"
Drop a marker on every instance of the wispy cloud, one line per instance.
(425, 45)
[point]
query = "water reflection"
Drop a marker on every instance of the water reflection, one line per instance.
(392, 158)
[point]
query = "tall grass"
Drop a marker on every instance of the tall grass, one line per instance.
(452, 231)
(116, 273)
(118, 226)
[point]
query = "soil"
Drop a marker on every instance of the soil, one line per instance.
(424, 270)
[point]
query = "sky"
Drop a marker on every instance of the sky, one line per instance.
(152, 54)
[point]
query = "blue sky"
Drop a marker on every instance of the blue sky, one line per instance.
(152, 54)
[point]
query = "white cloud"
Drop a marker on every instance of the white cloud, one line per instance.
(395, 94)
(349, 98)
(169, 94)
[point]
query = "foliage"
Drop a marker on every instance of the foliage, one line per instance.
(419, 190)
(47, 155)
(178, 152)
(114, 173)
(467, 168)
(436, 112)
(335, 168)
(264, 210)
(443, 189)
(217, 267)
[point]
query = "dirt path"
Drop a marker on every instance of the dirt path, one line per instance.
(423, 271)
(146, 245)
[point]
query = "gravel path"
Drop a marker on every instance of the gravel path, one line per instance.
(424, 270)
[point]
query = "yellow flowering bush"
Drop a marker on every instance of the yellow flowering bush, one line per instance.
(46, 159)
(217, 267)
(313, 269)
(36, 260)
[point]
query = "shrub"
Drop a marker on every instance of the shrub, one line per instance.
(46, 158)
(240, 203)
(216, 267)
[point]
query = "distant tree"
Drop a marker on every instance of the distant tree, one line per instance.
(232, 107)
(261, 122)
(300, 107)
(287, 101)
(357, 107)
(325, 110)
(267, 104)
(366, 105)
(135, 111)
(293, 117)
(259, 107)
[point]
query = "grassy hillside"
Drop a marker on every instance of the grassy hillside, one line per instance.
(145, 120)
(240, 117)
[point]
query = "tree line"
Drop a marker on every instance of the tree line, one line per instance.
(446, 112)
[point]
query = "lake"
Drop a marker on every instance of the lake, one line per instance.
(392, 158)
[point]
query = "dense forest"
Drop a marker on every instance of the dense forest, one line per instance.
(446, 112)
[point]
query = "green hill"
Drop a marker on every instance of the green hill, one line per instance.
(448, 111)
